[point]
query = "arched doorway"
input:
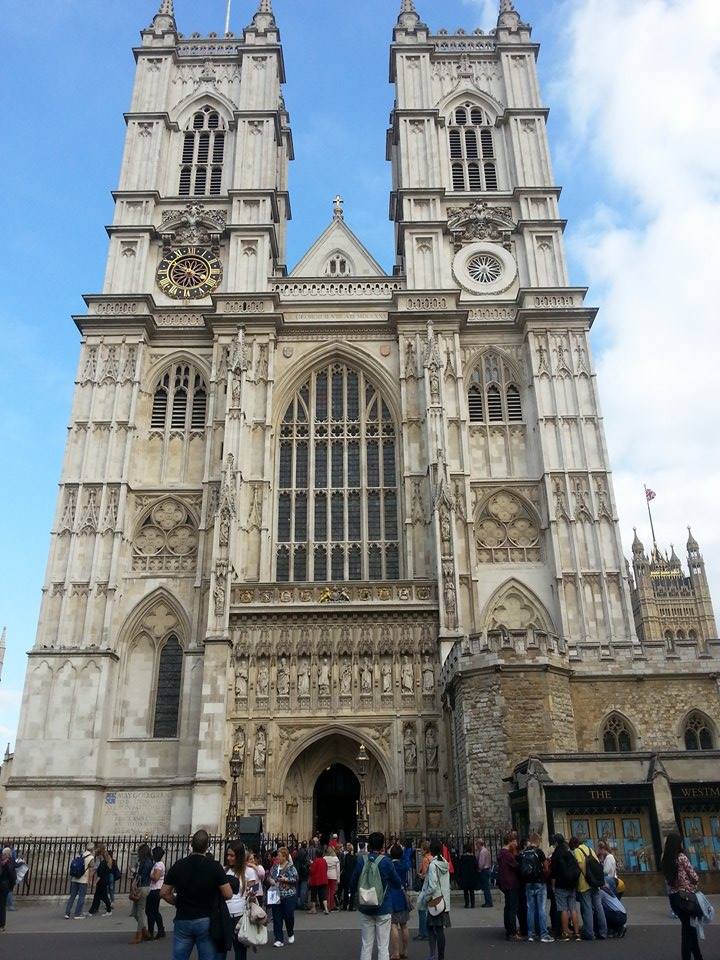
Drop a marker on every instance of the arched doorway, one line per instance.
(335, 802)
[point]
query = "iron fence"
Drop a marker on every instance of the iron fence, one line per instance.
(48, 858)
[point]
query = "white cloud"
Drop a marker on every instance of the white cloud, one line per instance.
(641, 90)
(487, 12)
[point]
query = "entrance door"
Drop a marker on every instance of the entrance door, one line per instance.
(335, 802)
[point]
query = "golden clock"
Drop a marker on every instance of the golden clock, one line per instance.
(189, 273)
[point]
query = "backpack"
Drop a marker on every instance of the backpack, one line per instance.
(567, 870)
(594, 873)
(77, 867)
(371, 891)
(530, 866)
(116, 870)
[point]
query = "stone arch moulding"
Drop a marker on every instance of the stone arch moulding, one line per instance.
(621, 715)
(354, 356)
(522, 596)
(169, 361)
(479, 357)
(317, 735)
(134, 621)
(705, 717)
(181, 113)
(456, 98)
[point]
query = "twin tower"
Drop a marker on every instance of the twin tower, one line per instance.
(346, 539)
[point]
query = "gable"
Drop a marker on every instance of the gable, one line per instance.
(338, 253)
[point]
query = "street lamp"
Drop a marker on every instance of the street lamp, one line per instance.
(363, 814)
(236, 766)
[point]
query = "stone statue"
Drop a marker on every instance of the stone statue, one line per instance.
(445, 531)
(410, 749)
(236, 391)
(449, 594)
(224, 527)
(386, 676)
(324, 677)
(241, 680)
(428, 676)
(263, 680)
(219, 597)
(346, 678)
(303, 679)
(366, 676)
(239, 747)
(260, 753)
(283, 678)
(431, 748)
(408, 678)
(434, 385)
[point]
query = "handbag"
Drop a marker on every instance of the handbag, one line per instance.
(619, 886)
(134, 894)
(273, 896)
(436, 906)
(418, 882)
(251, 934)
(686, 903)
(257, 914)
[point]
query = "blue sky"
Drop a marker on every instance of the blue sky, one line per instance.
(67, 81)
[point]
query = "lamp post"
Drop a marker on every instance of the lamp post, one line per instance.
(236, 765)
(363, 819)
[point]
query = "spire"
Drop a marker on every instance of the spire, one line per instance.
(164, 19)
(637, 547)
(408, 18)
(264, 19)
(167, 9)
(508, 17)
(692, 544)
(674, 558)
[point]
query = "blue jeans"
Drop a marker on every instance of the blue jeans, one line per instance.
(302, 895)
(284, 912)
(111, 887)
(422, 923)
(193, 933)
(536, 894)
(590, 903)
(484, 877)
(76, 890)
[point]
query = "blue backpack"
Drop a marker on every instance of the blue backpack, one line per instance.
(77, 867)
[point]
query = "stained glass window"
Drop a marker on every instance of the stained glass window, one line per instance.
(167, 697)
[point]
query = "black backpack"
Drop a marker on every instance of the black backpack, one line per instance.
(567, 872)
(594, 873)
(530, 866)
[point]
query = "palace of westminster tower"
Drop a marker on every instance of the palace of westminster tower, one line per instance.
(307, 509)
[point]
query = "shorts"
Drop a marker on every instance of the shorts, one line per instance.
(318, 894)
(401, 917)
(565, 900)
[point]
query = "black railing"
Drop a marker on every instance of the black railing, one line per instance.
(48, 858)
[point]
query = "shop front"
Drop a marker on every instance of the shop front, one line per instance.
(697, 807)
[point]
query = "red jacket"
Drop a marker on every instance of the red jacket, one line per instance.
(318, 872)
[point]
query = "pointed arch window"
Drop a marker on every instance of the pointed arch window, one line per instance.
(617, 736)
(167, 689)
(203, 155)
(493, 395)
(179, 400)
(698, 732)
(337, 513)
(473, 161)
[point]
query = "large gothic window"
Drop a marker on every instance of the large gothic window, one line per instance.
(698, 733)
(493, 396)
(617, 735)
(180, 400)
(338, 503)
(472, 150)
(203, 154)
(167, 692)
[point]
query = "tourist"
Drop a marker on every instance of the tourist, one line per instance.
(283, 891)
(564, 875)
(248, 887)
(333, 872)
(375, 875)
(152, 907)
(334, 842)
(435, 898)
(607, 858)
(114, 876)
(319, 882)
(80, 873)
(467, 876)
(484, 865)
(532, 873)
(615, 913)
(422, 933)
(252, 860)
(509, 884)
(8, 878)
(192, 886)
(399, 935)
(139, 889)
(103, 870)
(347, 869)
(588, 887)
(682, 884)
(302, 865)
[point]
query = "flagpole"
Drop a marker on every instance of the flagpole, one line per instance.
(227, 17)
(652, 525)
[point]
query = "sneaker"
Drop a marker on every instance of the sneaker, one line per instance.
(291, 939)
(531, 939)
(79, 916)
(548, 939)
(67, 916)
(278, 943)
(108, 913)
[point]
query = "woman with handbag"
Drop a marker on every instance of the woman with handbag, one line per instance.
(139, 890)
(282, 894)
(102, 874)
(682, 884)
(249, 885)
(435, 898)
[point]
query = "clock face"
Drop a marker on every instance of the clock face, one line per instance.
(189, 273)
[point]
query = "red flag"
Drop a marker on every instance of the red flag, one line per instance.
(649, 494)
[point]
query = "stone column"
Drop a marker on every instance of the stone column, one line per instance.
(537, 807)
(211, 776)
(662, 797)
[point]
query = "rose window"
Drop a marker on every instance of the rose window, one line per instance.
(485, 268)
(167, 540)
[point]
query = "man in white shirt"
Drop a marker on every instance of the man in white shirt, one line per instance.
(79, 883)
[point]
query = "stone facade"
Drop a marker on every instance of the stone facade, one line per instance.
(300, 512)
